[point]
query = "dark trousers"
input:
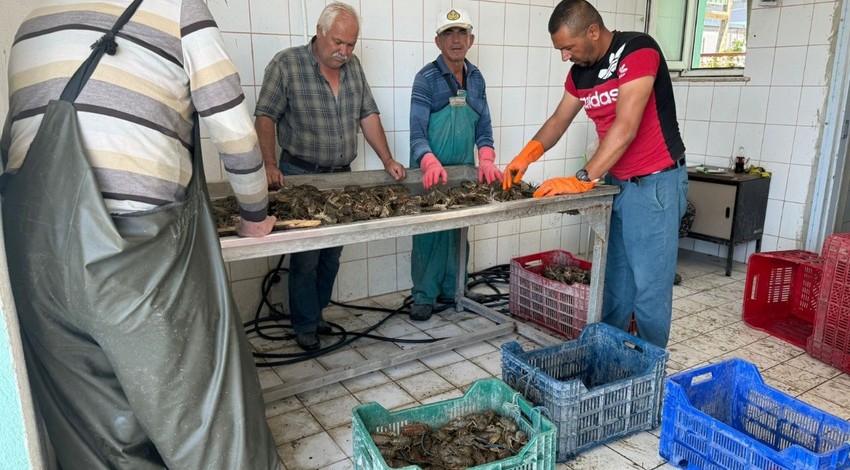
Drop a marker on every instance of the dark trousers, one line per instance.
(311, 277)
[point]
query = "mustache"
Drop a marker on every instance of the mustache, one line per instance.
(341, 57)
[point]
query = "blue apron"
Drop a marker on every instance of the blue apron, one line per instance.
(433, 261)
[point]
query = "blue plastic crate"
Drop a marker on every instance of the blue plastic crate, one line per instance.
(723, 416)
(602, 386)
(483, 395)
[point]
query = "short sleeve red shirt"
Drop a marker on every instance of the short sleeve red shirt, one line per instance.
(631, 56)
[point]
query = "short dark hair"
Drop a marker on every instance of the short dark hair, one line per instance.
(576, 15)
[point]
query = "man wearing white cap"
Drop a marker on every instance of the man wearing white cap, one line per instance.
(449, 117)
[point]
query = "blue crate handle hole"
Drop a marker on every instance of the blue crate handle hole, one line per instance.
(698, 379)
(633, 346)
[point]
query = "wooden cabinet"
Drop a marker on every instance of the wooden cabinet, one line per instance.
(730, 208)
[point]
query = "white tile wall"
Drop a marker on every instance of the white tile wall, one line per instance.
(701, 95)
(516, 30)
(823, 17)
(719, 144)
(790, 70)
(775, 115)
(753, 104)
(759, 66)
(376, 19)
(725, 106)
(382, 274)
(795, 23)
(269, 17)
(763, 26)
(230, 15)
(817, 58)
(407, 23)
(811, 106)
(750, 137)
(805, 143)
(695, 135)
(777, 140)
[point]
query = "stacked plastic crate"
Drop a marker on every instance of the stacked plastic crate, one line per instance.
(830, 341)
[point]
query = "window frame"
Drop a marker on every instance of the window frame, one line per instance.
(684, 67)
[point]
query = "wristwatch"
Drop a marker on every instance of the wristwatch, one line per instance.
(582, 175)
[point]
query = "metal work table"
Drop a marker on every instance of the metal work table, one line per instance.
(594, 205)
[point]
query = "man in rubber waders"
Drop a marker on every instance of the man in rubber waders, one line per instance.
(134, 347)
(449, 118)
(621, 81)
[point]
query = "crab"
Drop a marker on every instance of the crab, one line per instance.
(354, 203)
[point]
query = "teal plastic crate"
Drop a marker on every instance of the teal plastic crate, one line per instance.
(483, 395)
(602, 386)
(723, 417)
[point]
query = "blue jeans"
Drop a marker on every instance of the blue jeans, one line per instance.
(643, 243)
(311, 278)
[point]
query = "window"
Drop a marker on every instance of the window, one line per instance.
(701, 35)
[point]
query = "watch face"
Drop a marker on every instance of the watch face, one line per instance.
(582, 175)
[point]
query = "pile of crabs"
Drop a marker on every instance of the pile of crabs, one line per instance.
(355, 203)
(467, 441)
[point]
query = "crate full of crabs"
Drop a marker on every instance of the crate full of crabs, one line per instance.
(551, 289)
(491, 427)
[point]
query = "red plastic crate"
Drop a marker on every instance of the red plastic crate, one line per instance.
(830, 341)
(558, 307)
(836, 246)
(781, 294)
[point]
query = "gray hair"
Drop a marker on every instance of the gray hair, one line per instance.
(329, 14)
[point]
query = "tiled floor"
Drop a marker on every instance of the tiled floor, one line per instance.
(313, 430)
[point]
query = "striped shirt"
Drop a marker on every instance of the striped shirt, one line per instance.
(135, 112)
(312, 124)
(431, 93)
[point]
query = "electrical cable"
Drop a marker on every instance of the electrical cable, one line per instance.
(263, 326)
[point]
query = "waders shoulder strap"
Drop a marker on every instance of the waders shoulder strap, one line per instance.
(106, 44)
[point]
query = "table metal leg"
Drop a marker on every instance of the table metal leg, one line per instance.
(599, 218)
(729, 253)
(460, 288)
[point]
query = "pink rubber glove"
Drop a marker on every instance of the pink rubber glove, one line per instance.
(487, 170)
(432, 171)
(255, 229)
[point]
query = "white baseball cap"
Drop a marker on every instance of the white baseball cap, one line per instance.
(454, 18)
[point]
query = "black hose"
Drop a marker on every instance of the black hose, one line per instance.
(262, 325)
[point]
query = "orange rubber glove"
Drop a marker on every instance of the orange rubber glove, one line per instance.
(432, 171)
(516, 168)
(569, 185)
(487, 169)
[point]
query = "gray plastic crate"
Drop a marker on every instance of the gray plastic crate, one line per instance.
(602, 386)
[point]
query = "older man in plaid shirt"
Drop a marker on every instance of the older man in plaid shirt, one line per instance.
(315, 96)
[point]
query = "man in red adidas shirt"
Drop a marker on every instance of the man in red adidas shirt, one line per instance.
(621, 81)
